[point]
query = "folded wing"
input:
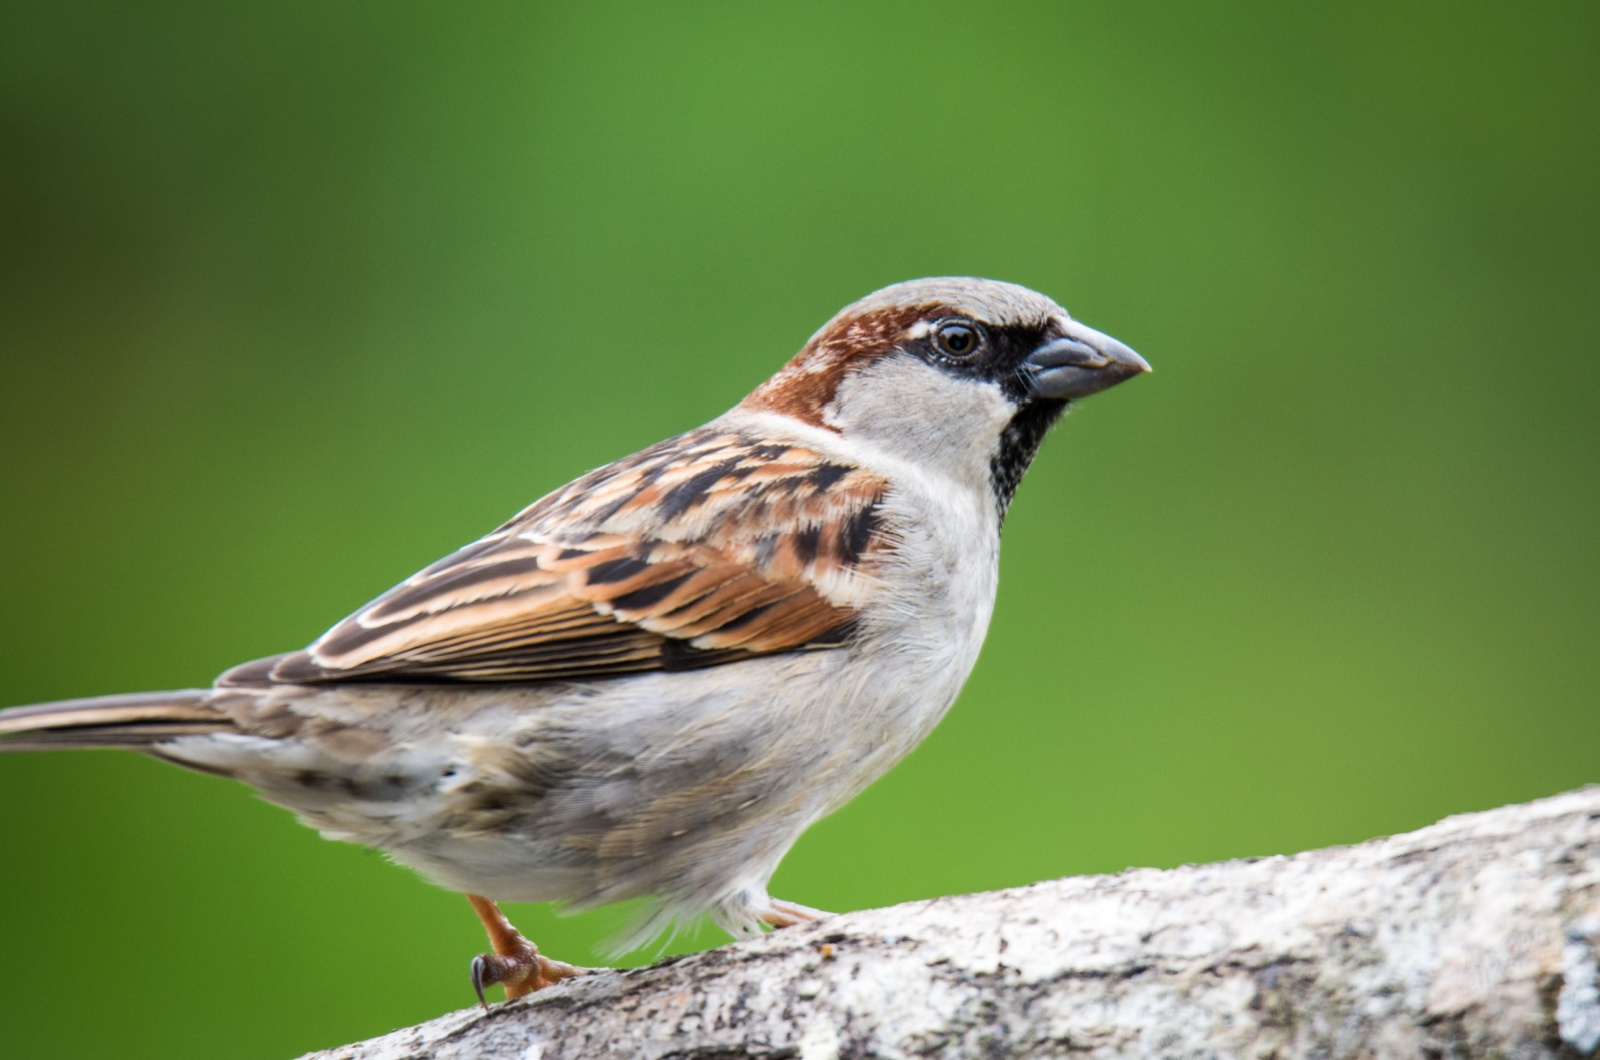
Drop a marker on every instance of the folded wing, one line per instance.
(705, 549)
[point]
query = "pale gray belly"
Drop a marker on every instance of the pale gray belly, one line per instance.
(690, 786)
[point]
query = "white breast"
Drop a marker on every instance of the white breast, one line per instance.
(931, 436)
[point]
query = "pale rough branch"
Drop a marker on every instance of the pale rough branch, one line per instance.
(1474, 937)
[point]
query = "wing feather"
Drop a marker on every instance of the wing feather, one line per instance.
(710, 547)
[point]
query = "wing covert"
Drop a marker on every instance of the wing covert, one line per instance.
(707, 548)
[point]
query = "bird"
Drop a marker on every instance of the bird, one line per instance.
(650, 682)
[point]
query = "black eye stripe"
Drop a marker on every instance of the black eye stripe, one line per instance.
(995, 357)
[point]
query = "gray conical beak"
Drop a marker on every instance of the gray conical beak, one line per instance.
(1080, 363)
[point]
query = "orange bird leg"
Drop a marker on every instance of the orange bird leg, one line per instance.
(516, 963)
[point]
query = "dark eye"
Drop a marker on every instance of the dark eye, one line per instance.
(956, 338)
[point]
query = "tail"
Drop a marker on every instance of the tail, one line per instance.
(133, 721)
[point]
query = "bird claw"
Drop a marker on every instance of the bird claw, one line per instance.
(479, 973)
(516, 963)
(520, 972)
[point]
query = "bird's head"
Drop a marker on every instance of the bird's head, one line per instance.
(960, 375)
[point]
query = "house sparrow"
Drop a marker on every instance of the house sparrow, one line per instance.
(653, 680)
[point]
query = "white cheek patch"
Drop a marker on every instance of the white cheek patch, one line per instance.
(944, 423)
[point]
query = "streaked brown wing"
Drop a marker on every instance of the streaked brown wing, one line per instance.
(707, 548)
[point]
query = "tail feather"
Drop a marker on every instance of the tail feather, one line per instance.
(135, 721)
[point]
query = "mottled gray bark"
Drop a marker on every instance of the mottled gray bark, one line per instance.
(1475, 937)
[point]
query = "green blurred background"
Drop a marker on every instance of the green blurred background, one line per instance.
(295, 298)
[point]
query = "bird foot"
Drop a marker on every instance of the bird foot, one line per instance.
(520, 972)
(516, 963)
(781, 914)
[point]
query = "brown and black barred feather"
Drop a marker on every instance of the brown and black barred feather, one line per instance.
(706, 548)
